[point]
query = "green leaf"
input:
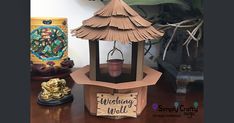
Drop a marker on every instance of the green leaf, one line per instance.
(197, 4)
(181, 3)
(156, 2)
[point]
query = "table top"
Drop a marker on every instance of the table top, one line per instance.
(161, 95)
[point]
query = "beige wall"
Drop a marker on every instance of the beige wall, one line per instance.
(76, 11)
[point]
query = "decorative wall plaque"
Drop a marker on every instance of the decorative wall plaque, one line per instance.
(49, 46)
(48, 40)
(117, 104)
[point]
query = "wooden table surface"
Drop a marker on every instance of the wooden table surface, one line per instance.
(162, 93)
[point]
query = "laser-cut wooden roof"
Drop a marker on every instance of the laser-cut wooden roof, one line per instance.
(116, 21)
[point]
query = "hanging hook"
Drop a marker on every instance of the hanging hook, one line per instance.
(113, 50)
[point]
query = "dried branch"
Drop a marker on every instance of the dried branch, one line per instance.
(197, 23)
(192, 36)
(169, 42)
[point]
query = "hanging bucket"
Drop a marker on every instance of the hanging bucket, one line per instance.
(115, 65)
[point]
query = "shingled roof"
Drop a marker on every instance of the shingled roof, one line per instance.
(116, 21)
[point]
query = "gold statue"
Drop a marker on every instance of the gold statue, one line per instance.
(54, 89)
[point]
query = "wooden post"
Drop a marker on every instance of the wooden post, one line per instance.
(134, 61)
(140, 60)
(94, 59)
(137, 60)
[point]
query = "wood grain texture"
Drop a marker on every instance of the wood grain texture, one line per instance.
(140, 60)
(75, 112)
(119, 104)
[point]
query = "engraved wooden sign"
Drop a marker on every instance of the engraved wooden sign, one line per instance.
(117, 104)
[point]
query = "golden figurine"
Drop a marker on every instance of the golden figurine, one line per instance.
(54, 92)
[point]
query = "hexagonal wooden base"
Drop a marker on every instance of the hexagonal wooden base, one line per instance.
(91, 87)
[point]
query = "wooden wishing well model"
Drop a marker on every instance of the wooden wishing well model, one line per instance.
(116, 22)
